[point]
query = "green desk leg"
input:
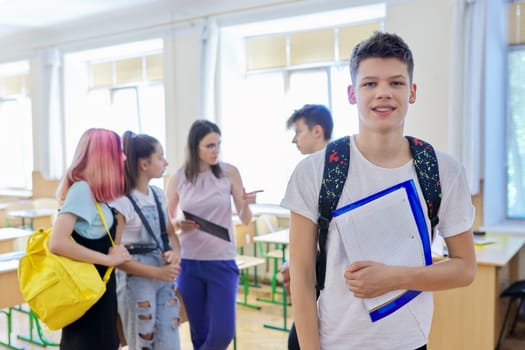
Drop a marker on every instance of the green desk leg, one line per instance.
(284, 328)
(244, 302)
(9, 315)
(255, 279)
(35, 324)
(274, 291)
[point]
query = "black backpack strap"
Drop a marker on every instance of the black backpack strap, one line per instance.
(427, 170)
(162, 222)
(145, 222)
(335, 171)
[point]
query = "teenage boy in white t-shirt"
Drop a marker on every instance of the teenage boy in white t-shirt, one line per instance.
(313, 126)
(381, 69)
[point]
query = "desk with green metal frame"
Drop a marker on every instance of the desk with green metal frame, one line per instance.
(244, 262)
(11, 300)
(37, 218)
(282, 238)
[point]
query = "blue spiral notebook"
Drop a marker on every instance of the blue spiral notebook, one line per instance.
(388, 227)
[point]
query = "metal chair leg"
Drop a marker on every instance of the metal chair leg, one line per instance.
(504, 323)
(516, 316)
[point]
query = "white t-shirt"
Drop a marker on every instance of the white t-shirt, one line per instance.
(344, 320)
(134, 230)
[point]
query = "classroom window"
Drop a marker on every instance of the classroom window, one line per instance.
(516, 134)
(16, 133)
(266, 75)
(515, 121)
(264, 152)
(119, 88)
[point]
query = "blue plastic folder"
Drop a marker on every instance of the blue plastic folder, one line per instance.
(388, 227)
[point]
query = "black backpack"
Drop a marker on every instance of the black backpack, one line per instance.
(335, 172)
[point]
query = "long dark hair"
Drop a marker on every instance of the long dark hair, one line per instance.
(199, 129)
(135, 147)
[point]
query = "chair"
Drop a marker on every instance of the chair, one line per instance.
(244, 237)
(266, 224)
(516, 292)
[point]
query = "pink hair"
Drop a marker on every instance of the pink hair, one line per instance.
(99, 161)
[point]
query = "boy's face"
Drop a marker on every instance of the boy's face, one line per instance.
(307, 140)
(382, 92)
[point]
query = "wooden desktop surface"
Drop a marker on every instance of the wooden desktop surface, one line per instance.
(278, 237)
(471, 317)
(36, 218)
(8, 237)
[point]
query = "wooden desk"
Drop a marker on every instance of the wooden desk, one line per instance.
(282, 215)
(3, 214)
(281, 237)
(8, 237)
(244, 262)
(278, 237)
(11, 294)
(471, 317)
(38, 218)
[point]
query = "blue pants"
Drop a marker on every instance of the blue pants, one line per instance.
(209, 290)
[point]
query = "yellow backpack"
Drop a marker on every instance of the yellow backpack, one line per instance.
(58, 290)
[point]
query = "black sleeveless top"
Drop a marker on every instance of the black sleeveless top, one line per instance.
(97, 328)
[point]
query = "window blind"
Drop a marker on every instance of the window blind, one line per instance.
(305, 47)
(516, 22)
(265, 52)
(352, 35)
(312, 46)
(154, 67)
(126, 71)
(14, 85)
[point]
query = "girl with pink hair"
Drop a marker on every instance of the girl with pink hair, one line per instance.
(96, 175)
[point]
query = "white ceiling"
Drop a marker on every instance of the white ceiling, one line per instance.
(17, 16)
(24, 16)
(29, 25)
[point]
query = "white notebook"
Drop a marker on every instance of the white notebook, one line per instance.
(388, 227)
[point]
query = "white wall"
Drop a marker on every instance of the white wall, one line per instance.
(426, 27)
(182, 63)
(424, 24)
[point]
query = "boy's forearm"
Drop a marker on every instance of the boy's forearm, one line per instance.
(305, 316)
(458, 270)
